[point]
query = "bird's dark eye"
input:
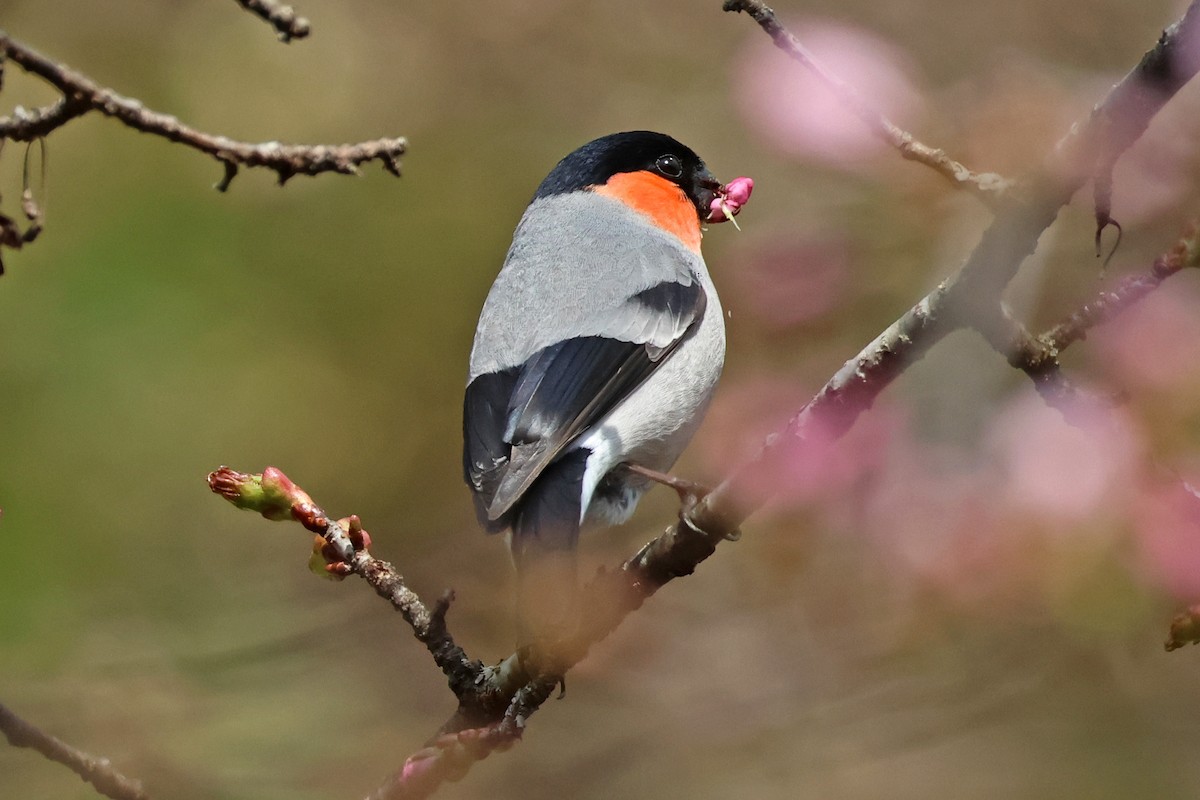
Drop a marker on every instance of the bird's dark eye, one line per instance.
(669, 165)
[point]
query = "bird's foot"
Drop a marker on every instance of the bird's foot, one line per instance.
(690, 493)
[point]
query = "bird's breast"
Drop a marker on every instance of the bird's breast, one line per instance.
(662, 202)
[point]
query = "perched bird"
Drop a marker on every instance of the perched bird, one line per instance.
(598, 347)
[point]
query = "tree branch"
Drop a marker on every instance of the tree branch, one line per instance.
(987, 186)
(82, 95)
(1106, 306)
(342, 545)
(25, 125)
(282, 18)
(1038, 356)
(972, 298)
(101, 774)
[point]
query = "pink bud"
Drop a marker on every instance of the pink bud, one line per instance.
(730, 199)
(738, 190)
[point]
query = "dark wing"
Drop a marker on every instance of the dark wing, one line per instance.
(485, 453)
(517, 421)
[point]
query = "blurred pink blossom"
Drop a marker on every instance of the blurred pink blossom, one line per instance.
(742, 415)
(937, 522)
(785, 283)
(795, 110)
(1156, 344)
(827, 462)
(1168, 531)
(820, 467)
(1063, 470)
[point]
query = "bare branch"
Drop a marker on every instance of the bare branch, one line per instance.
(343, 544)
(97, 771)
(81, 95)
(25, 125)
(988, 186)
(1129, 290)
(282, 18)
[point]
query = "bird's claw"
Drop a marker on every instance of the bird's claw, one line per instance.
(690, 494)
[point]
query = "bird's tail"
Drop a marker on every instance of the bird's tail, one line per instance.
(545, 534)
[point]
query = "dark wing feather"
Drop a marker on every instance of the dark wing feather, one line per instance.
(485, 453)
(566, 388)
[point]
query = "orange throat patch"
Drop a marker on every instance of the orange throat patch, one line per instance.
(656, 198)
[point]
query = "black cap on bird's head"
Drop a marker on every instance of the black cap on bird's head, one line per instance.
(634, 151)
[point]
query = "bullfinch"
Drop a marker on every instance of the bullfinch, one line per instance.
(598, 347)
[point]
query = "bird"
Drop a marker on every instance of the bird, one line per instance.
(595, 356)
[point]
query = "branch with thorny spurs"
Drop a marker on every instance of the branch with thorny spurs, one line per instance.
(491, 715)
(81, 95)
(1038, 355)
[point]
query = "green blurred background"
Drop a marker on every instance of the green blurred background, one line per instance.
(159, 329)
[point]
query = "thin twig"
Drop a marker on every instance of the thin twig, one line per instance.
(97, 771)
(1038, 355)
(25, 125)
(1129, 290)
(988, 186)
(81, 95)
(276, 497)
(282, 18)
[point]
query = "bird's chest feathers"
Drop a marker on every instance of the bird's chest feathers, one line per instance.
(664, 203)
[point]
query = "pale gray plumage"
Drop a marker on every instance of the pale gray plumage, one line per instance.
(539, 298)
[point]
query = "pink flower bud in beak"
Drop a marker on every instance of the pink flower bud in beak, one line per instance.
(730, 199)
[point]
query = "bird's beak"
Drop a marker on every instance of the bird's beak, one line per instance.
(707, 191)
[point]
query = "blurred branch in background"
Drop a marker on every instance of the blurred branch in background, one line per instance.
(973, 297)
(82, 95)
(282, 18)
(1038, 356)
(987, 186)
(96, 771)
(11, 234)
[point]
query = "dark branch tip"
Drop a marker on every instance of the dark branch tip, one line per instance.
(231, 171)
